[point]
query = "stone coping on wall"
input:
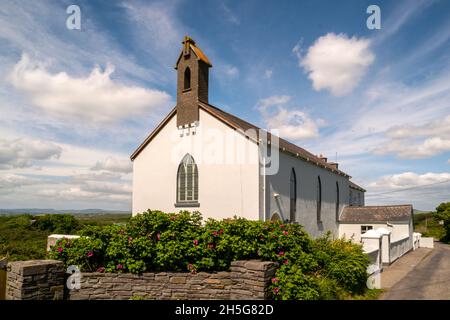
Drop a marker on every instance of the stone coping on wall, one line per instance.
(246, 280)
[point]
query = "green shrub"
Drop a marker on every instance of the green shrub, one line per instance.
(342, 261)
(443, 213)
(291, 283)
(57, 223)
(156, 241)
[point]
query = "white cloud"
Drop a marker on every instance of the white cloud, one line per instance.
(268, 73)
(95, 98)
(107, 187)
(78, 194)
(96, 176)
(292, 124)
(12, 181)
(336, 62)
(156, 29)
(414, 142)
(231, 71)
(408, 180)
(229, 14)
(273, 101)
(114, 165)
(20, 153)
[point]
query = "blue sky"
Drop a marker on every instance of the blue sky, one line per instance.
(76, 103)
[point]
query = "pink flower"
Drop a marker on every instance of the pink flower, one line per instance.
(60, 249)
(120, 266)
(276, 290)
(158, 236)
(215, 233)
(285, 233)
(130, 239)
(191, 268)
(211, 245)
(274, 280)
(286, 262)
(281, 253)
(90, 254)
(281, 226)
(101, 269)
(220, 231)
(195, 242)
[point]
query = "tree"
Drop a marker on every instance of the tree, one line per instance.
(443, 213)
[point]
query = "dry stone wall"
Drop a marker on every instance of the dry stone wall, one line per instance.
(35, 280)
(45, 279)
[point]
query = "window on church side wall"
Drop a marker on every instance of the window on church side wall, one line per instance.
(319, 200)
(337, 201)
(187, 181)
(293, 196)
(187, 79)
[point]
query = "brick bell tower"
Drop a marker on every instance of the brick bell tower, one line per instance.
(192, 83)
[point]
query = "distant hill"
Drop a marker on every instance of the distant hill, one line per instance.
(415, 211)
(64, 211)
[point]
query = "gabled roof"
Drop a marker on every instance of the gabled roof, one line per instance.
(355, 186)
(198, 52)
(377, 213)
(242, 125)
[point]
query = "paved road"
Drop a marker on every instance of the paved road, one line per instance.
(430, 279)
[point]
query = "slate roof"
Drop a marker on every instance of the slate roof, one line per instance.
(393, 213)
(242, 125)
(355, 186)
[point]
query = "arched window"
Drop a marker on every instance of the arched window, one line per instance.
(319, 200)
(187, 180)
(275, 217)
(293, 196)
(187, 78)
(337, 201)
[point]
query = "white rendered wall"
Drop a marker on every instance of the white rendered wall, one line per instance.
(353, 230)
(306, 205)
(225, 190)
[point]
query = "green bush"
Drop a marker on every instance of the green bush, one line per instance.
(342, 261)
(156, 241)
(57, 223)
(443, 213)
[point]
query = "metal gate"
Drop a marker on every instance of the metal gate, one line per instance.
(3, 264)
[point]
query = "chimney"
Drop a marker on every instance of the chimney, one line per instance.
(334, 165)
(324, 159)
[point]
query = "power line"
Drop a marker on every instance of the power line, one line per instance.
(410, 188)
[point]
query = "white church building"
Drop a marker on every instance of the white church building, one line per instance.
(202, 158)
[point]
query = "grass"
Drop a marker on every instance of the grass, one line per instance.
(370, 294)
(428, 226)
(20, 239)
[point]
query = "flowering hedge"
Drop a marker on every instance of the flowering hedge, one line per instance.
(156, 241)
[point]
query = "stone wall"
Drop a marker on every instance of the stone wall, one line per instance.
(35, 280)
(245, 280)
